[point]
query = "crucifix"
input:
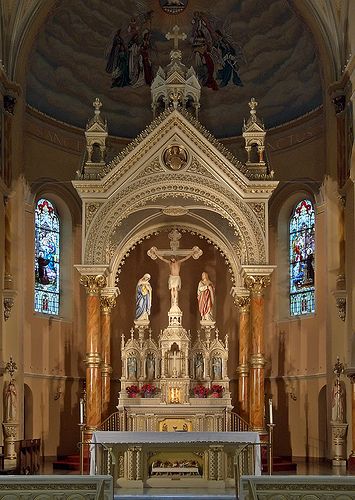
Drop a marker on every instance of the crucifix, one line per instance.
(173, 252)
(175, 35)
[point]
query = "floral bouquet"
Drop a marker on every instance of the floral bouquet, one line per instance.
(215, 391)
(200, 391)
(133, 391)
(148, 391)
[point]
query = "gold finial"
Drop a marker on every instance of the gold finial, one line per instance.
(252, 105)
(97, 105)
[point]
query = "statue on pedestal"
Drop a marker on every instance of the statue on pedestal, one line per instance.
(10, 402)
(143, 298)
(205, 297)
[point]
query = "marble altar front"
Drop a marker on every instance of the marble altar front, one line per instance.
(171, 459)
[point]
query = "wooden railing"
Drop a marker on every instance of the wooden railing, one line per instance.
(238, 424)
(111, 423)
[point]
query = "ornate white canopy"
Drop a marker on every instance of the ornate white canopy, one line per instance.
(175, 174)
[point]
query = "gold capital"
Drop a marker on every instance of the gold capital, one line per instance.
(243, 303)
(92, 283)
(107, 304)
(256, 284)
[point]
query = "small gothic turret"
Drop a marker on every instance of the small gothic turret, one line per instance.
(175, 87)
(254, 134)
(96, 135)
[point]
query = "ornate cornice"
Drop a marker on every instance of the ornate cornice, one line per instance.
(155, 132)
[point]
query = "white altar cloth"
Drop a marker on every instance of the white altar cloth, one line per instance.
(123, 438)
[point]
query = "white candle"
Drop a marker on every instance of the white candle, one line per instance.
(81, 411)
(271, 420)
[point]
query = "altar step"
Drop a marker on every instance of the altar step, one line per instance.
(280, 464)
(69, 462)
(175, 494)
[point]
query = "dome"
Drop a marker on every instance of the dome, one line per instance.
(111, 49)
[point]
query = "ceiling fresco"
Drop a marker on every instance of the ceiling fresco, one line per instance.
(111, 49)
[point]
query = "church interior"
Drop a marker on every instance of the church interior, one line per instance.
(177, 231)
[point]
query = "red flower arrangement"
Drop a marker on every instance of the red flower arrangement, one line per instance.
(148, 391)
(133, 391)
(215, 391)
(200, 391)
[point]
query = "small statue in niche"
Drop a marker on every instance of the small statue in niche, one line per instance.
(217, 368)
(199, 367)
(132, 368)
(150, 367)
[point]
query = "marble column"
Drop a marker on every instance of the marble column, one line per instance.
(243, 304)
(256, 284)
(93, 284)
(108, 302)
(351, 460)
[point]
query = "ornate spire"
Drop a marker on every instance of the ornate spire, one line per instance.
(254, 134)
(96, 135)
(175, 87)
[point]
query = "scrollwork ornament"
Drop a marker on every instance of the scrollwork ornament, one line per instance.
(93, 284)
(256, 284)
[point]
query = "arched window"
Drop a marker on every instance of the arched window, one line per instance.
(47, 233)
(302, 259)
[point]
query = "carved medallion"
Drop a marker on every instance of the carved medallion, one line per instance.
(175, 211)
(175, 157)
(173, 6)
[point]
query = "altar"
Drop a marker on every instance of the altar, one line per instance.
(171, 459)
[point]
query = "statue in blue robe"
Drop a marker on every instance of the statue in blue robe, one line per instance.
(143, 298)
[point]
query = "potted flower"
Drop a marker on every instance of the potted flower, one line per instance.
(148, 391)
(200, 391)
(133, 391)
(215, 391)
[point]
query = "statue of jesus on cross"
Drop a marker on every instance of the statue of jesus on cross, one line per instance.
(174, 282)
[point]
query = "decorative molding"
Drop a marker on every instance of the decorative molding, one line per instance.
(175, 211)
(340, 299)
(9, 300)
(210, 193)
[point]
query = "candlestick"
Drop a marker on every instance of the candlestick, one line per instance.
(271, 420)
(81, 411)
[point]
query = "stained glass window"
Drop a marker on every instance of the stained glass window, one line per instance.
(302, 259)
(47, 232)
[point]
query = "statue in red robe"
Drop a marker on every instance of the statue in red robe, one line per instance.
(205, 297)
